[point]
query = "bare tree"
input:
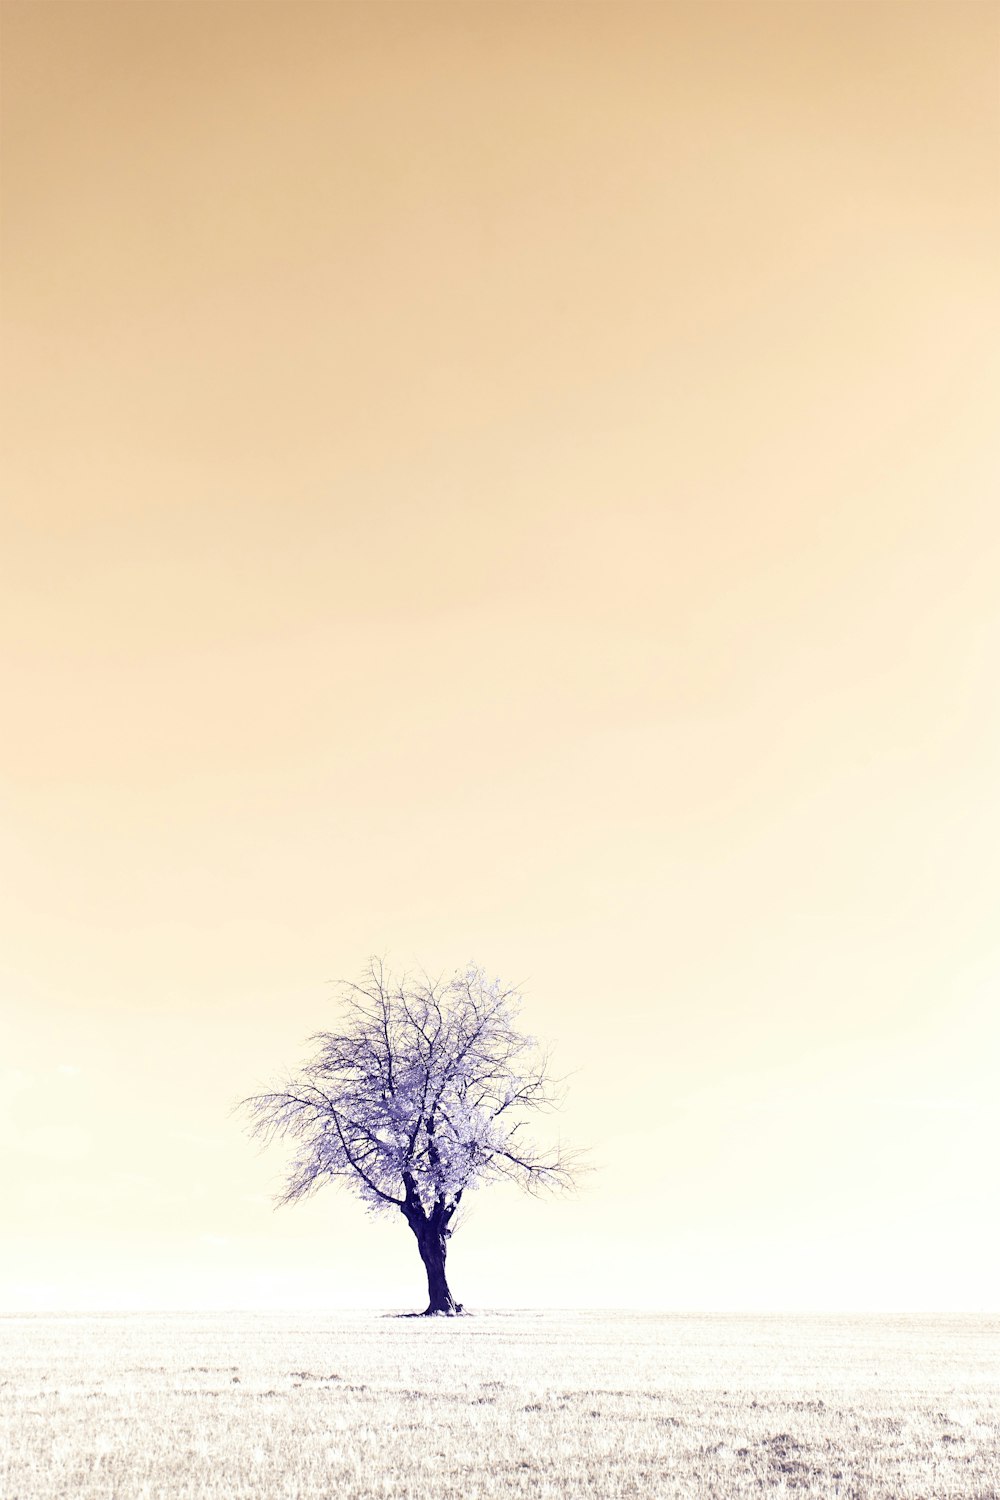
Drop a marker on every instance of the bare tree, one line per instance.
(420, 1098)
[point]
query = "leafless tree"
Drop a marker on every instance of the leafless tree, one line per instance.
(419, 1098)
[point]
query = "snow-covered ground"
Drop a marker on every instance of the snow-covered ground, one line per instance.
(563, 1404)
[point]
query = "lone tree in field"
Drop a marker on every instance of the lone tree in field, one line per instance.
(420, 1098)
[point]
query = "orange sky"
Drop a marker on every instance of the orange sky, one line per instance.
(509, 482)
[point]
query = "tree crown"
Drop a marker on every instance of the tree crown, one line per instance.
(420, 1096)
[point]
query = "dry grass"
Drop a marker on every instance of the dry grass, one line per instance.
(293, 1407)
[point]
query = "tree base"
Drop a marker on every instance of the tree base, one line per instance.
(457, 1312)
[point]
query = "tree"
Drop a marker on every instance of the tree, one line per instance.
(418, 1099)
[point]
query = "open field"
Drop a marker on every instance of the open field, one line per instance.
(296, 1407)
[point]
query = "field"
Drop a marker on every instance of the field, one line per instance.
(571, 1405)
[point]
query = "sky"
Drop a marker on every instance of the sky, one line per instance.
(508, 483)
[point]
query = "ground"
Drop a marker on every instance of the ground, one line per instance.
(574, 1406)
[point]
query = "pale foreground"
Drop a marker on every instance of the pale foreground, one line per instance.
(572, 1405)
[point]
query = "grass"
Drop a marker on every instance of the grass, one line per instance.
(568, 1405)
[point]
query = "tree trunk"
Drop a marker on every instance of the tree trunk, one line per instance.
(433, 1249)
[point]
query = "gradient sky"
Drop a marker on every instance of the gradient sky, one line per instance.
(516, 483)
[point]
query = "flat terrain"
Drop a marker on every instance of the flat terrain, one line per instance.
(170, 1406)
